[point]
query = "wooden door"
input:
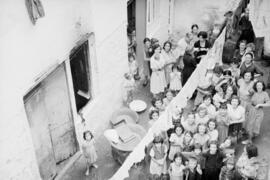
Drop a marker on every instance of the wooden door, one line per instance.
(38, 122)
(60, 121)
(49, 114)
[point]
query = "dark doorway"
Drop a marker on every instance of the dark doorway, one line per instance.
(131, 28)
(80, 75)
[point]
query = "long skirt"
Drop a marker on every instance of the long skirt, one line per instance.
(222, 132)
(157, 82)
(255, 118)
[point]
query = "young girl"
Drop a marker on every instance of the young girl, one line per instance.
(212, 131)
(177, 168)
(133, 66)
(129, 86)
(176, 119)
(223, 122)
(211, 109)
(228, 171)
(202, 137)
(89, 151)
(158, 155)
(189, 124)
(157, 104)
(201, 116)
(228, 146)
(153, 116)
(219, 97)
(168, 98)
(188, 142)
(175, 79)
(176, 141)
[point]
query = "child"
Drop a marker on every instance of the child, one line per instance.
(158, 155)
(234, 68)
(175, 79)
(213, 162)
(228, 146)
(133, 66)
(193, 171)
(177, 116)
(176, 169)
(201, 116)
(157, 104)
(228, 171)
(223, 122)
(176, 119)
(176, 141)
(189, 124)
(89, 151)
(129, 86)
(168, 98)
(201, 136)
(219, 97)
(212, 131)
(211, 109)
(188, 142)
(153, 116)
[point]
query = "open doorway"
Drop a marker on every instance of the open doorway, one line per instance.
(131, 27)
(81, 75)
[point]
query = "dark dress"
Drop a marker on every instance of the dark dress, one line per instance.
(202, 50)
(189, 66)
(213, 164)
(247, 32)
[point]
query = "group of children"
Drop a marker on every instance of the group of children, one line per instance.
(228, 108)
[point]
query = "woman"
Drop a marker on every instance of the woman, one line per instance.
(157, 80)
(148, 51)
(169, 59)
(238, 53)
(236, 113)
(189, 64)
(194, 32)
(245, 90)
(259, 100)
(248, 164)
(213, 162)
(202, 46)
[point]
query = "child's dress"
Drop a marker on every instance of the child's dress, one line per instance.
(89, 151)
(128, 86)
(176, 171)
(176, 144)
(175, 81)
(213, 135)
(158, 165)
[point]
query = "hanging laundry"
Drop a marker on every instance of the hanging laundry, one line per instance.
(35, 10)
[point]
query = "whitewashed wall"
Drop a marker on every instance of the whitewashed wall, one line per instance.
(27, 51)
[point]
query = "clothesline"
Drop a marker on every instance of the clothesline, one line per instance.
(212, 58)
